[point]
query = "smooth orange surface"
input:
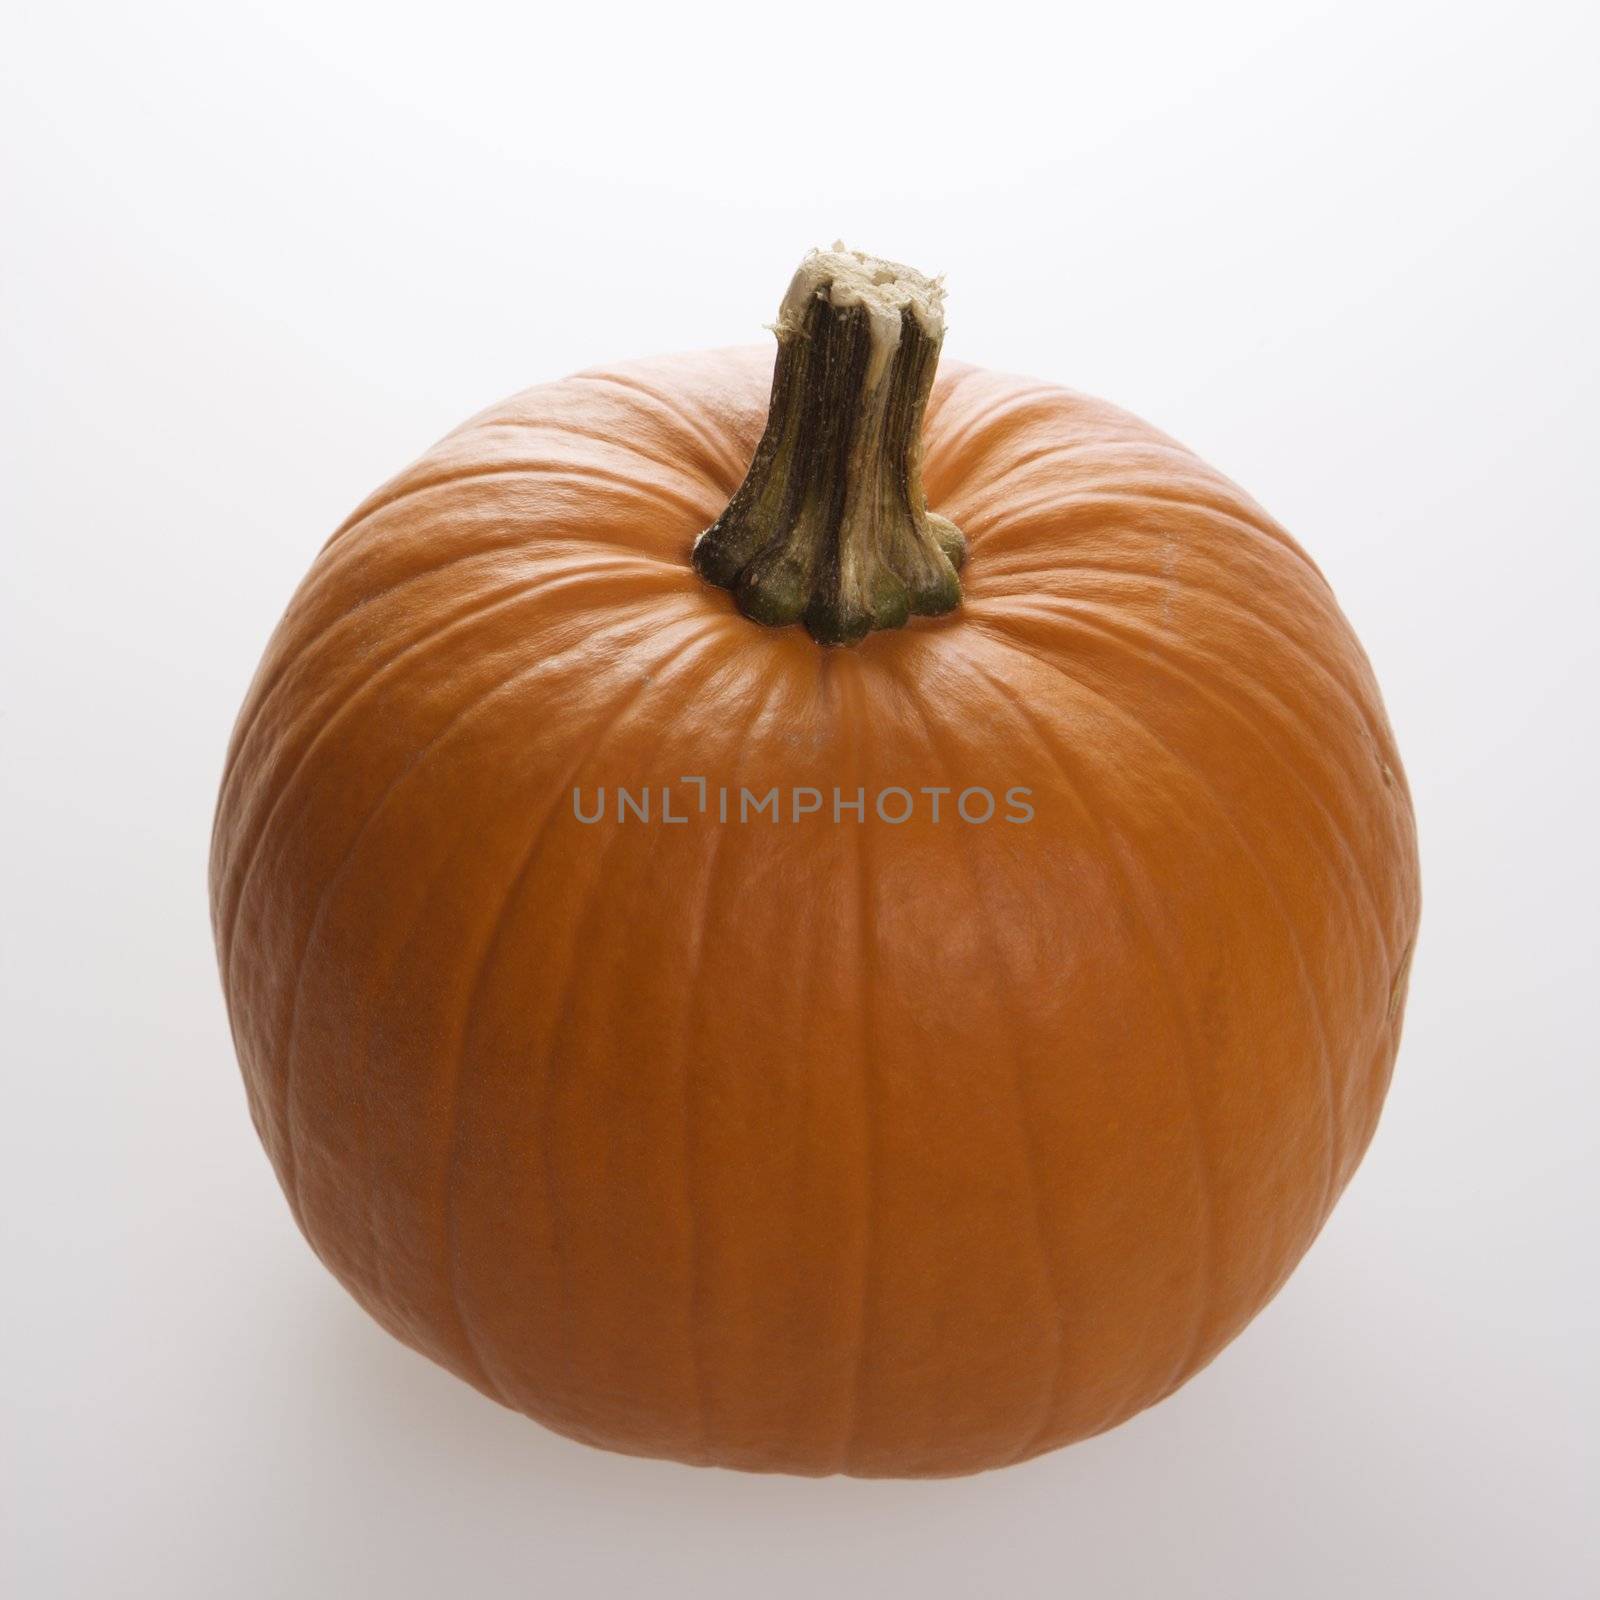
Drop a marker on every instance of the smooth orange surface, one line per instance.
(813, 1147)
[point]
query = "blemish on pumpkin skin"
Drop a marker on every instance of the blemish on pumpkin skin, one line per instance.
(1171, 554)
(1402, 978)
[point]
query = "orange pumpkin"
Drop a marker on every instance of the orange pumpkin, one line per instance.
(625, 1042)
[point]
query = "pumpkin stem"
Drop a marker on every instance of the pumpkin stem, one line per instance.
(830, 526)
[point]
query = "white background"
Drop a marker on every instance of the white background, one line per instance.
(257, 256)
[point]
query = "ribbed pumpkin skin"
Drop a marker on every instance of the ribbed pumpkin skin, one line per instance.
(813, 1147)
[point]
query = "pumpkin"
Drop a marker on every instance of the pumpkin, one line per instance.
(831, 915)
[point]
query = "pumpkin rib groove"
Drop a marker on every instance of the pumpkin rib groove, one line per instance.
(547, 1048)
(1092, 445)
(595, 436)
(327, 720)
(864, 967)
(1214, 598)
(1346, 823)
(696, 1298)
(1046, 1245)
(1344, 690)
(530, 542)
(678, 660)
(950, 379)
(1132, 907)
(667, 665)
(1215, 557)
(474, 609)
(1005, 406)
(991, 489)
(1334, 1136)
(579, 471)
(367, 518)
(1339, 837)
(319, 907)
(996, 565)
(713, 453)
(267, 687)
(1112, 573)
(809, 980)
(1084, 415)
(1062, 506)
(260, 695)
